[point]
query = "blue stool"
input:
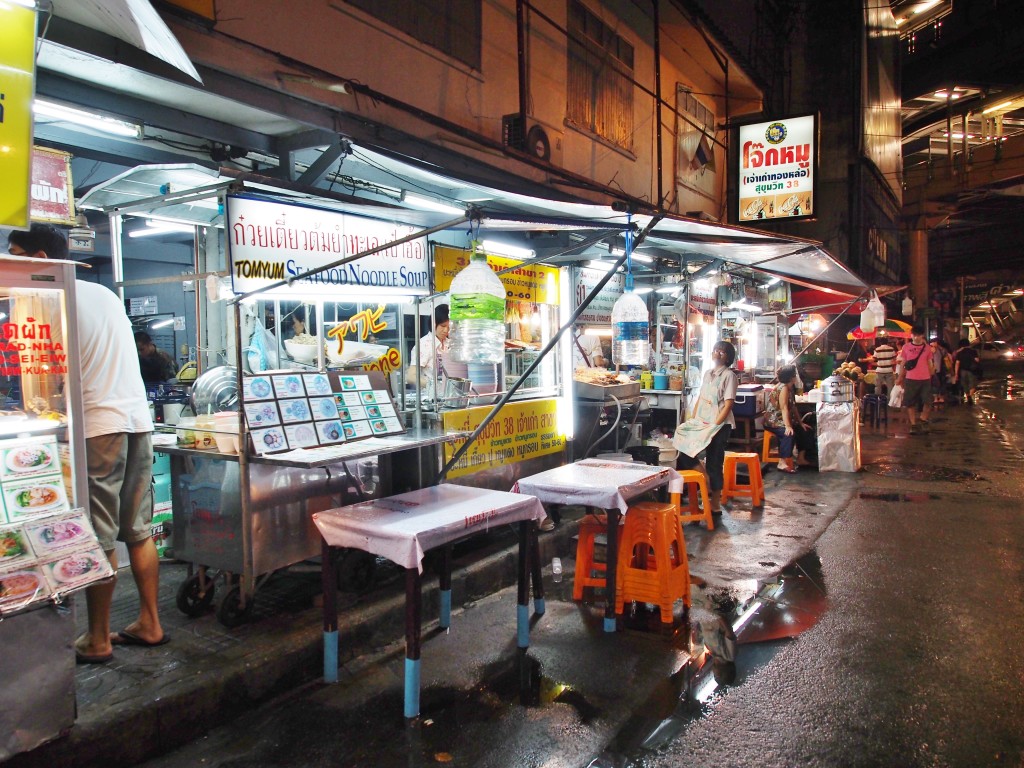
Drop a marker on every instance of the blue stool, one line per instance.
(876, 410)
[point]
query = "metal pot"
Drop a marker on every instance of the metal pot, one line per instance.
(836, 389)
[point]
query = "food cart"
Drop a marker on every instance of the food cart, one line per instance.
(47, 547)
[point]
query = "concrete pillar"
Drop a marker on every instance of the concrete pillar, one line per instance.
(917, 266)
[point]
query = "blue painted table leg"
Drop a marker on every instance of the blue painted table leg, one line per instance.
(329, 584)
(413, 623)
(611, 567)
(523, 591)
(446, 587)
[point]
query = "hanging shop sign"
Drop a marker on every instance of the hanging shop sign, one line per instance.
(599, 311)
(17, 88)
(704, 300)
(521, 431)
(777, 165)
(273, 241)
(534, 283)
(52, 194)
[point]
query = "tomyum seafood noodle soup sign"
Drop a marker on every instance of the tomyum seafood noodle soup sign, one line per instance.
(777, 165)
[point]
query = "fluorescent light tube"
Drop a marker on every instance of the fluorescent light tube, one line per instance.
(162, 324)
(430, 204)
(161, 228)
(85, 119)
(506, 249)
(598, 264)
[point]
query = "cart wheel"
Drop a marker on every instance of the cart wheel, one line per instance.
(356, 571)
(229, 610)
(189, 599)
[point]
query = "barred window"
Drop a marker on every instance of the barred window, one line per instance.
(600, 97)
(451, 26)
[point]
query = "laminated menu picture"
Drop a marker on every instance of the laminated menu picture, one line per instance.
(269, 440)
(352, 413)
(316, 384)
(367, 398)
(378, 426)
(295, 410)
(380, 411)
(28, 458)
(21, 586)
(350, 398)
(301, 435)
(33, 497)
(261, 415)
(289, 385)
(357, 429)
(76, 569)
(329, 431)
(14, 547)
(392, 424)
(257, 388)
(354, 383)
(324, 407)
(53, 535)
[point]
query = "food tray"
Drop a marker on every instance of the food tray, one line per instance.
(586, 391)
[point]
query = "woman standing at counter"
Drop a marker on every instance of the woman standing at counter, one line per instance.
(712, 422)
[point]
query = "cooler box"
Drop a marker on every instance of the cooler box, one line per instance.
(750, 400)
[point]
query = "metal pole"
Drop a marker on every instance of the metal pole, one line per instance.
(960, 330)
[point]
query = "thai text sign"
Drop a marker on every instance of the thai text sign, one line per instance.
(271, 241)
(52, 195)
(29, 348)
(534, 283)
(600, 309)
(777, 162)
(17, 88)
(520, 431)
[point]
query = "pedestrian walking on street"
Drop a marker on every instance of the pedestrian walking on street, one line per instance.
(916, 379)
(966, 366)
(885, 359)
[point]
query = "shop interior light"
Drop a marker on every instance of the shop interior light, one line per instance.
(642, 258)
(85, 119)
(566, 400)
(162, 324)
(506, 249)
(158, 227)
(598, 264)
(745, 306)
(642, 291)
(672, 289)
(431, 204)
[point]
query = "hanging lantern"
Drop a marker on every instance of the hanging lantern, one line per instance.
(867, 319)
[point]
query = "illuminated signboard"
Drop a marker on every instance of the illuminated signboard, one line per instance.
(777, 164)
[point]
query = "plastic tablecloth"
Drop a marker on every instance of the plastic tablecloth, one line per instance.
(598, 483)
(403, 527)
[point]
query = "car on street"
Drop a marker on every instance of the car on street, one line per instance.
(996, 350)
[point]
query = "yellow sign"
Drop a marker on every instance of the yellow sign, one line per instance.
(17, 87)
(534, 283)
(519, 432)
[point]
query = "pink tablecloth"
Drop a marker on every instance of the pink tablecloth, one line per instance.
(403, 527)
(597, 483)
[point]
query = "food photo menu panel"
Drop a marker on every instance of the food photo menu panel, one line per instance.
(365, 407)
(46, 549)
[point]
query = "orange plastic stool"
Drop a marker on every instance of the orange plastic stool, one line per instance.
(652, 565)
(589, 572)
(754, 490)
(767, 454)
(694, 482)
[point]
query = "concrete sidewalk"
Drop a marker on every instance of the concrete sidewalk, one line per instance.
(208, 674)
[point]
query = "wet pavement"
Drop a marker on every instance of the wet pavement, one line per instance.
(876, 618)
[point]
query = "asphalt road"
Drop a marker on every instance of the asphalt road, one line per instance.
(906, 618)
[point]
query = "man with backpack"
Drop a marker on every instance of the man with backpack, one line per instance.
(916, 379)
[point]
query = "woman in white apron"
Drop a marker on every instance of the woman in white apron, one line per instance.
(709, 427)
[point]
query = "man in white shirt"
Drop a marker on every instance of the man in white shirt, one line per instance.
(119, 452)
(885, 361)
(586, 350)
(432, 346)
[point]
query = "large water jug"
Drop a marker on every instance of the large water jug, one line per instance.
(477, 313)
(630, 331)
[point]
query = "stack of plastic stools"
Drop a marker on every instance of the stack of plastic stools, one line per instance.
(753, 489)
(652, 565)
(876, 410)
(694, 483)
(589, 572)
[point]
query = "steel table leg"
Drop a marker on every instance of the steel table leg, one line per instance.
(329, 583)
(445, 587)
(611, 567)
(538, 583)
(523, 592)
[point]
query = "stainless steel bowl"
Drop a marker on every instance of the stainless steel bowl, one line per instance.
(215, 391)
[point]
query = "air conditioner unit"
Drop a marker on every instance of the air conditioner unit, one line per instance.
(536, 138)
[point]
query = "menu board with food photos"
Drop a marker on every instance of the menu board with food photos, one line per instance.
(287, 410)
(46, 548)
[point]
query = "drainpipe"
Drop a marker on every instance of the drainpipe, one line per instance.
(657, 100)
(521, 63)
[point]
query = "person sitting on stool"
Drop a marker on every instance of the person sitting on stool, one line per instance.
(782, 419)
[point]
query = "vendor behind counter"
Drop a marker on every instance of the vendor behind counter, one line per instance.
(587, 351)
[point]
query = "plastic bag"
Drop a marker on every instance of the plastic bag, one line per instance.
(261, 354)
(896, 396)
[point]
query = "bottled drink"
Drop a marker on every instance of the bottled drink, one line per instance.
(556, 569)
(477, 313)
(630, 331)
